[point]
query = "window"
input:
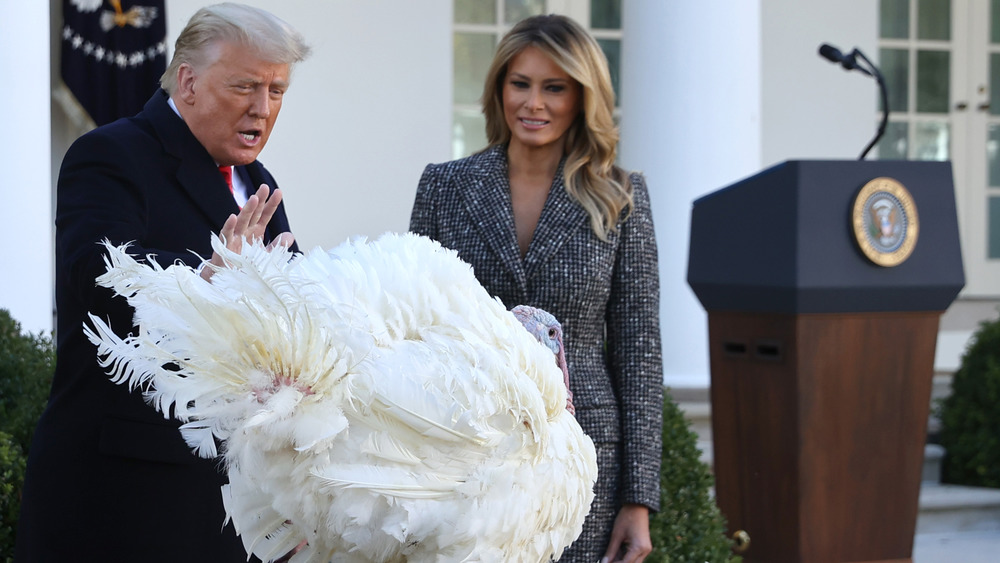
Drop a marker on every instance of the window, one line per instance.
(915, 56)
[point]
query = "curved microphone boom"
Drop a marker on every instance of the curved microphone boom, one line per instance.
(850, 62)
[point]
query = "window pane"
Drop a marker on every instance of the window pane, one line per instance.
(606, 14)
(517, 10)
(934, 19)
(894, 19)
(931, 141)
(994, 228)
(473, 53)
(892, 145)
(468, 133)
(933, 71)
(476, 11)
(995, 21)
(993, 155)
(895, 65)
(613, 51)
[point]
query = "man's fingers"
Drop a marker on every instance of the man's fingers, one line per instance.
(251, 222)
(268, 209)
(256, 212)
(254, 221)
(265, 211)
(246, 215)
(228, 229)
(255, 228)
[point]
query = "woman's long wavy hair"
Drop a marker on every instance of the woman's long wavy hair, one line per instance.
(591, 176)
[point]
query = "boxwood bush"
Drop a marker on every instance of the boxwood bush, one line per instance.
(11, 479)
(689, 527)
(26, 365)
(970, 415)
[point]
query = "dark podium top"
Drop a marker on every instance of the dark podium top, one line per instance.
(782, 241)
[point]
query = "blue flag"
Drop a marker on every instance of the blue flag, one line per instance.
(113, 55)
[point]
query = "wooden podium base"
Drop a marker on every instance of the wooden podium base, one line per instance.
(819, 423)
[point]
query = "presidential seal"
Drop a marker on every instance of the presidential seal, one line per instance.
(885, 222)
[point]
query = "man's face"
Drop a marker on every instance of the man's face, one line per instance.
(231, 102)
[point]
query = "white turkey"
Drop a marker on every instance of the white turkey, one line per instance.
(372, 401)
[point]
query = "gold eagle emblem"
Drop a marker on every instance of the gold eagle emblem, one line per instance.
(136, 16)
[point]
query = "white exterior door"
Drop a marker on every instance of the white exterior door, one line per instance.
(941, 60)
(978, 98)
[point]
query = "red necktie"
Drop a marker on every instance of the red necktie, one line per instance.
(227, 173)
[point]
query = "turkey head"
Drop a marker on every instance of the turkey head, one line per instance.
(546, 329)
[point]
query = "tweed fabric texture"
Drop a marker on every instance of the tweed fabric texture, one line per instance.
(605, 294)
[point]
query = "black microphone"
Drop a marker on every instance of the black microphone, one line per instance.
(831, 53)
(850, 62)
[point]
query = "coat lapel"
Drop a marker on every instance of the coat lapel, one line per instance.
(486, 195)
(560, 220)
(196, 171)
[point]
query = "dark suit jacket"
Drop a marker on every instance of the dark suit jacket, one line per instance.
(109, 478)
(605, 294)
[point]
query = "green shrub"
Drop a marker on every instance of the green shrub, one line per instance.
(11, 479)
(689, 527)
(26, 365)
(970, 415)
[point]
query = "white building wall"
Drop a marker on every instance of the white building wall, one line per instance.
(365, 113)
(812, 108)
(25, 212)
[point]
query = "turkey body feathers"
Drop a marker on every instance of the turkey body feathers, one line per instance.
(373, 400)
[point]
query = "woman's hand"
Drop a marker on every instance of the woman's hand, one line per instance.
(630, 541)
(251, 223)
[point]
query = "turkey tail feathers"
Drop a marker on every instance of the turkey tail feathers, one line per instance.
(118, 355)
(373, 400)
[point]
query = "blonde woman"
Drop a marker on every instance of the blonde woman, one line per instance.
(547, 219)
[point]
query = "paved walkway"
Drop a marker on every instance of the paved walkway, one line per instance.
(957, 547)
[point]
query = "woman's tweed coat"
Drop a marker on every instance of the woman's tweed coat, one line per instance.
(605, 294)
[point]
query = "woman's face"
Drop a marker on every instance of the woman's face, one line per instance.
(540, 101)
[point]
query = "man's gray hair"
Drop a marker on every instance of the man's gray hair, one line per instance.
(267, 35)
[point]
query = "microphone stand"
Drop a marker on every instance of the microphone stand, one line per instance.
(874, 72)
(849, 62)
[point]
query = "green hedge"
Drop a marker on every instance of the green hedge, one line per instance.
(970, 415)
(11, 479)
(26, 365)
(689, 526)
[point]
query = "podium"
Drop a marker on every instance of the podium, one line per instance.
(824, 282)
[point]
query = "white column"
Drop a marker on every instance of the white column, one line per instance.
(691, 121)
(26, 209)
